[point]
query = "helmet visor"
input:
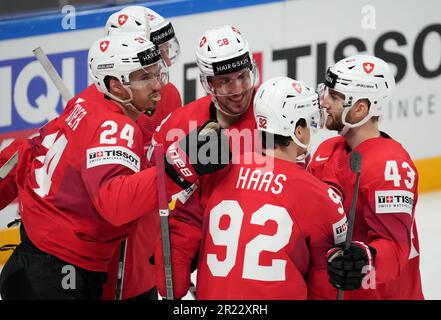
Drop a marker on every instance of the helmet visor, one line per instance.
(230, 84)
(170, 51)
(149, 76)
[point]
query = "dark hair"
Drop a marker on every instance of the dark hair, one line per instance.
(270, 141)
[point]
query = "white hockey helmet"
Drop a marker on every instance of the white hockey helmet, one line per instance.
(281, 102)
(221, 51)
(143, 20)
(120, 56)
(129, 20)
(360, 77)
(163, 35)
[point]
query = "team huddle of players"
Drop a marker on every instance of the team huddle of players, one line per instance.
(259, 220)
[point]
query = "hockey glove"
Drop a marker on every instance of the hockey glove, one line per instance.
(203, 151)
(347, 268)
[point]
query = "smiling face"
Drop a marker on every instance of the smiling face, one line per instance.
(233, 91)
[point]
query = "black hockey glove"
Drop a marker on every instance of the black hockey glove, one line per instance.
(347, 268)
(203, 151)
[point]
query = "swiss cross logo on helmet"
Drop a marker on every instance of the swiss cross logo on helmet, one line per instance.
(262, 123)
(203, 41)
(104, 45)
(297, 87)
(122, 19)
(368, 67)
(151, 17)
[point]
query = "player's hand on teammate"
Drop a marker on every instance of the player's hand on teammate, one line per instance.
(203, 151)
(347, 268)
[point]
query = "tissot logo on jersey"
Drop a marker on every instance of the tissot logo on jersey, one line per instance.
(113, 155)
(391, 201)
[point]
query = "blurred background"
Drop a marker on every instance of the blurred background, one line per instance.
(297, 38)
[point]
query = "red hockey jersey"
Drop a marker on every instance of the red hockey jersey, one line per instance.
(170, 101)
(139, 273)
(82, 195)
(385, 213)
(8, 186)
(265, 234)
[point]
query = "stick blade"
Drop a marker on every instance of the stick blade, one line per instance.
(355, 161)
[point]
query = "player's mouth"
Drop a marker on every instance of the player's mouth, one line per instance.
(156, 96)
(236, 97)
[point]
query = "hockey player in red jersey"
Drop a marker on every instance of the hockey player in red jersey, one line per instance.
(268, 224)
(142, 20)
(139, 273)
(228, 74)
(355, 91)
(161, 33)
(139, 279)
(85, 192)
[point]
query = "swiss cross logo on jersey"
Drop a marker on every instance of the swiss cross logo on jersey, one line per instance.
(262, 123)
(122, 19)
(297, 87)
(104, 45)
(368, 67)
(203, 41)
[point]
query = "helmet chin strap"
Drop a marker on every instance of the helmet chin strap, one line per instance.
(347, 125)
(127, 102)
(301, 145)
(229, 114)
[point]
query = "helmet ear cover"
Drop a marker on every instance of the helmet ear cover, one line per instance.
(330, 79)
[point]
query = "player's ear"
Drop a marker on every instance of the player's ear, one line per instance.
(361, 109)
(116, 88)
(298, 131)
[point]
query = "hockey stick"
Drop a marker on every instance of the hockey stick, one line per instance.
(121, 265)
(163, 215)
(64, 92)
(52, 73)
(8, 165)
(355, 163)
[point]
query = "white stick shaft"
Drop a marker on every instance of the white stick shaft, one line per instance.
(9, 165)
(53, 74)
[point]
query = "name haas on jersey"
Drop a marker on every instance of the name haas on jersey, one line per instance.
(260, 180)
